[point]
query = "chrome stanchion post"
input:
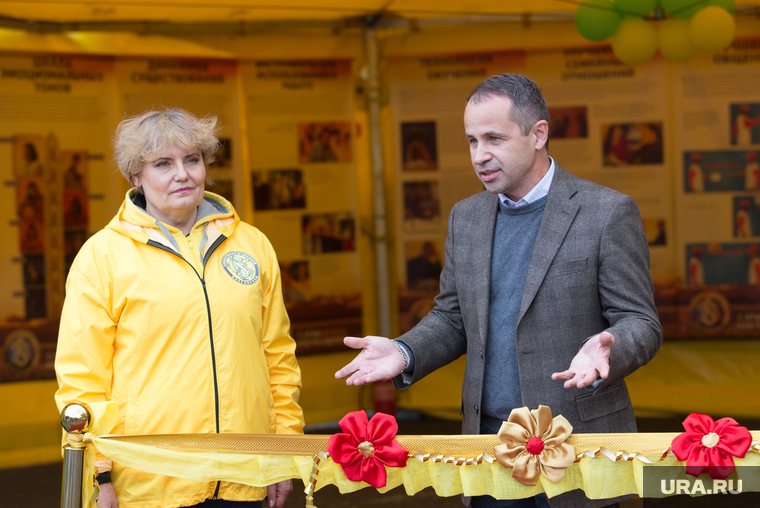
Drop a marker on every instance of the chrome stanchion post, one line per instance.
(75, 419)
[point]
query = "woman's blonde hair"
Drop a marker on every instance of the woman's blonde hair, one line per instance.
(141, 138)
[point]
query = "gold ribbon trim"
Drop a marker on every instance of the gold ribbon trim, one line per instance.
(466, 450)
(263, 459)
(312, 483)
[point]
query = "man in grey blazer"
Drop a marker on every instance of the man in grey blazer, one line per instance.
(546, 279)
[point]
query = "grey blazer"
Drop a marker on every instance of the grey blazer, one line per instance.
(589, 272)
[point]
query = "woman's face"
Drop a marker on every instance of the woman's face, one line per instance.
(173, 184)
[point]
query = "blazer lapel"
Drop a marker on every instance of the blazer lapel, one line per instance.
(482, 252)
(559, 213)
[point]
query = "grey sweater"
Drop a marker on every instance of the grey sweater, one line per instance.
(514, 237)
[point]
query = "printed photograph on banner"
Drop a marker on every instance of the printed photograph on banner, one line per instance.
(32, 236)
(34, 270)
(321, 311)
(745, 120)
(722, 263)
(36, 303)
(424, 262)
(223, 187)
(419, 146)
(627, 144)
(422, 205)
(721, 171)
(72, 242)
(746, 217)
(30, 199)
(75, 212)
(655, 232)
(278, 189)
(413, 307)
(329, 232)
(28, 156)
(75, 174)
(223, 155)
(324, 142)
(319, 326)
(720, 294)
(296, 284)
(568, 122)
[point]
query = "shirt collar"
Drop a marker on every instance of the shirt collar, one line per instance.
(539, 191)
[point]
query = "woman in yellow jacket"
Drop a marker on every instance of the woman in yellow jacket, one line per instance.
(175, 311)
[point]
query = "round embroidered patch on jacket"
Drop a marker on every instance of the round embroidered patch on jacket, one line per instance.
(241, 267)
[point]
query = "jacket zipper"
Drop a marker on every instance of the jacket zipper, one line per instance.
(210, 250)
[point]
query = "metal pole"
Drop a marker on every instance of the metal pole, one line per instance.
(71, 483)
(381, 241)
(382, 391)
(75, 419)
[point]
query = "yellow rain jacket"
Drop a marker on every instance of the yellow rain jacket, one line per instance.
(187, 334)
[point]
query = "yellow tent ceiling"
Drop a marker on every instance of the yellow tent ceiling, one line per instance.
(258, 10)
(182, 11)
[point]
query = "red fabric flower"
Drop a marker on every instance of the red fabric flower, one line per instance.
(366, 447)
(709, 446)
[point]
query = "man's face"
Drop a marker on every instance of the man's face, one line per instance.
(504, 159)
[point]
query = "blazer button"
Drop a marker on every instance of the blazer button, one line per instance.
(476, 409)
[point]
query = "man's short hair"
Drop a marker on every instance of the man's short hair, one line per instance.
(528, 104)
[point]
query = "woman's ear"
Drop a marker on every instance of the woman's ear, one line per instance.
(135, 180)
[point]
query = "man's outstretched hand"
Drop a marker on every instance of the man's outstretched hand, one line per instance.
(379, 360)
(592, 361)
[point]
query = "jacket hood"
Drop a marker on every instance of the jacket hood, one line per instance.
(216, 216)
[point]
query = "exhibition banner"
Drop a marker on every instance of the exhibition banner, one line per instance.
(432, 168)
(302, 179)
(55, 119)
(716, 143)
(609, 123)
(201, 86)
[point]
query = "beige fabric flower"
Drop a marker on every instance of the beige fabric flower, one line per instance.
(533, 443)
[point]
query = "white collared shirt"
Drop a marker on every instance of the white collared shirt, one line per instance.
(539, 191)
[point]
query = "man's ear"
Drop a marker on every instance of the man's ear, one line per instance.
(541, 133)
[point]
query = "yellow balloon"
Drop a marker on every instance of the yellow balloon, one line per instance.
(674, 41)
(712, 28)
(635, 41)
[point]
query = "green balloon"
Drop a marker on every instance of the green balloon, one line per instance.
(729, 5)
(635, 8)
(597, 20)
(683, 8)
